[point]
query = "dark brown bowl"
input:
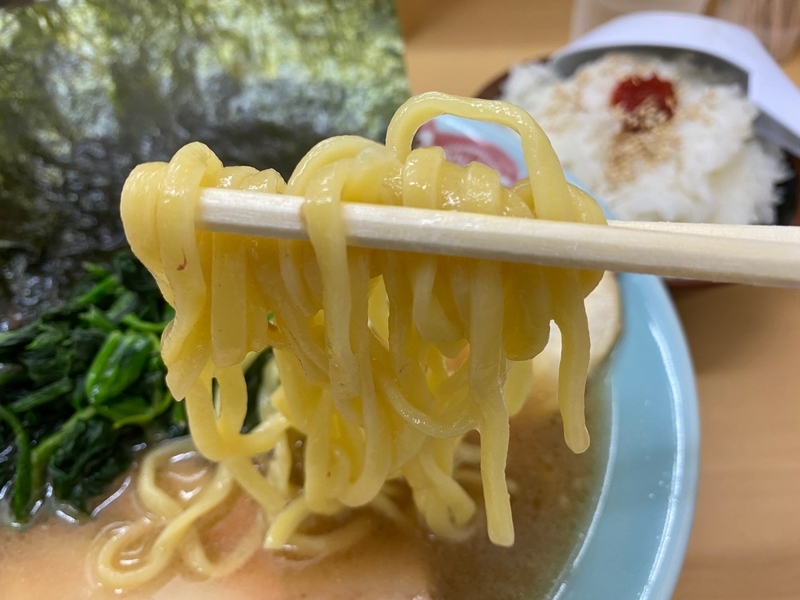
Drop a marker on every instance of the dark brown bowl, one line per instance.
(786, 212)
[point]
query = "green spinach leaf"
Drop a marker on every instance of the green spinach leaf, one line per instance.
(88, 460)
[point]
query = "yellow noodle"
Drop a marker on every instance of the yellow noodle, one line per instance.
(172, 522)
(364, 340)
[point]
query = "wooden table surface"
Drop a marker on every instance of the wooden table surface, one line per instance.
(745, 341)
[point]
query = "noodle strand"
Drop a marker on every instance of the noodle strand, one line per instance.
(386, 359)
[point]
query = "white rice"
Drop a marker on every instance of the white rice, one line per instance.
(715, 171)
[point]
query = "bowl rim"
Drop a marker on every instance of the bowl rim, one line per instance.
(646, 303)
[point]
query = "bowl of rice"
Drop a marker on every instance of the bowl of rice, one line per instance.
(658, 137)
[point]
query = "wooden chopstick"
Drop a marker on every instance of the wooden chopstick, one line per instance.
(765, 233)
(758, 255)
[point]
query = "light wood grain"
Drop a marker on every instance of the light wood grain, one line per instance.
(745, 543)
(709, 252)
(764, 233)
(745, 341)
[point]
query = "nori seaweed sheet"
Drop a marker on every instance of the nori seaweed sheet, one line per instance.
(90, 88)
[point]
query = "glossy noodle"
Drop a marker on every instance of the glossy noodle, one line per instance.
(386, 359)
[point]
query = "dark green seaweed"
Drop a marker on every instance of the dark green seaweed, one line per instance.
(90, 88)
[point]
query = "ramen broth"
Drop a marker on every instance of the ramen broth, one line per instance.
(553, 503)
(555, 494)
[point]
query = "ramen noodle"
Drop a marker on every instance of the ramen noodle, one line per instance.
(386, 359)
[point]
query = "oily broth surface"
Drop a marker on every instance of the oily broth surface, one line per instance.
(557, 492)
(556, 496)
(50, 561)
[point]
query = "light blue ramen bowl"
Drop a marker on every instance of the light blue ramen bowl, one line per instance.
(637, 538)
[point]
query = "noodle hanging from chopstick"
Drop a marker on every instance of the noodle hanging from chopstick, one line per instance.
(367, 342)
